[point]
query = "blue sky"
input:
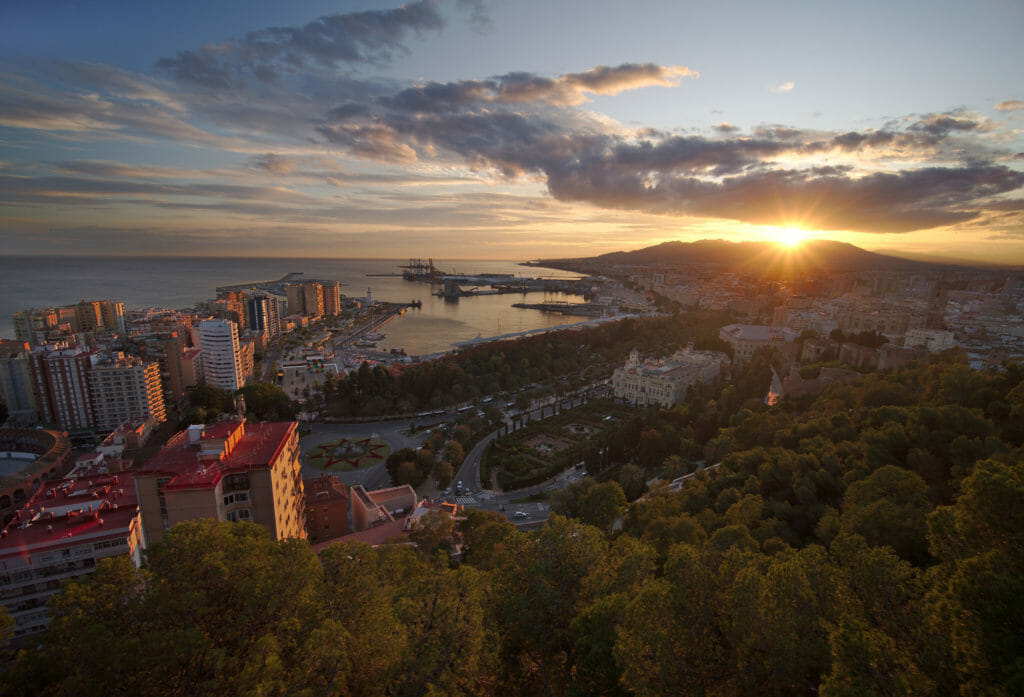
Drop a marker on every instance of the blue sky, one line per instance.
(508, 129)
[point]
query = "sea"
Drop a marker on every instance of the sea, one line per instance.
(180, 282)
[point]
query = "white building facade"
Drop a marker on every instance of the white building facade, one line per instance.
(664, 381)
(221, 354)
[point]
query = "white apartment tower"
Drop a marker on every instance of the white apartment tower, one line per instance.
(222, 357)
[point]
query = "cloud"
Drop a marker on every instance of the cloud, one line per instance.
(570, 89)
(479, 16)
(785, 87)
(371, 36)
(526, 88)
(729, 176)
(275, 164)
(1010, 105)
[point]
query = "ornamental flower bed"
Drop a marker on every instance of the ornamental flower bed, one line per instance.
(347, 454)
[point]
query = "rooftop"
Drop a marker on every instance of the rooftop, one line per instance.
(759, 332)
(200, 456)
(374, 536)
(62, 511)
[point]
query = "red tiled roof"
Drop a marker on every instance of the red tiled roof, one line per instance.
(372, 536)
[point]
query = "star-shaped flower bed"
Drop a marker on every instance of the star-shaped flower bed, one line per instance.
(347, 454)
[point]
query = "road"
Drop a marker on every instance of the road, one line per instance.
(477, 494)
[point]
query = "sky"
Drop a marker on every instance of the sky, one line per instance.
(510, 129)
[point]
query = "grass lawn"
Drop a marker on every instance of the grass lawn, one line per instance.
(346, 454)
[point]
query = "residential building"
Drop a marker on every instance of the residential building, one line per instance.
(125, 387)
(664, 381)
(264, 315)
(60, 378)
(326, 508)
(372, 508)
(61, 533)
(314, 299)
(332, 297)
(222, 356)
(16, 382)
(229, 471)
(191, 361)
(247, 358)
(307, 299)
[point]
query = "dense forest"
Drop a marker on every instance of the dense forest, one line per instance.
(869, 541)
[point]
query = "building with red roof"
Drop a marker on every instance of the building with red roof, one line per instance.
(229, 471)
(61, 533)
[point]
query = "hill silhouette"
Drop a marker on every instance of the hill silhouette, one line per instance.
(764, 257)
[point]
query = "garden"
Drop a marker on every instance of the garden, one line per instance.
(542, 449)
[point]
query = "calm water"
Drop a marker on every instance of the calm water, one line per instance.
(27, 282)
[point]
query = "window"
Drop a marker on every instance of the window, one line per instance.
(237, 497)
(236, 482)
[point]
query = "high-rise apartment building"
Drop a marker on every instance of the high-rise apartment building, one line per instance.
(263, 314)
(60, 380)
(228, 471)
(125, 387)
(312, 298)
(332, 297)
(16, 382)
(78, 389)
(222, 358)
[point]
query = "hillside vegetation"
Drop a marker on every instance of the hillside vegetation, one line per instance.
(869, 543)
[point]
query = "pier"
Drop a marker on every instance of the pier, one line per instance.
(585, 309)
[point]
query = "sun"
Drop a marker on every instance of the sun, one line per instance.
(790, 237)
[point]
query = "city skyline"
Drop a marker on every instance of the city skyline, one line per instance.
(509, 130)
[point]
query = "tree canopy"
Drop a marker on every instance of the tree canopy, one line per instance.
(869, 541)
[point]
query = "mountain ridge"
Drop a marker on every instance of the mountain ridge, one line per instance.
(764, 257)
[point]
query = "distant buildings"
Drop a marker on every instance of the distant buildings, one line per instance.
(934, 340)
(664, 382)
(221, 354)
(231, 470)
(306, 299)
(746, 339)
(47, 325)
(81, 389)
(314, 299)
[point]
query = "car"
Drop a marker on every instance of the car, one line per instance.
(519, 514)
